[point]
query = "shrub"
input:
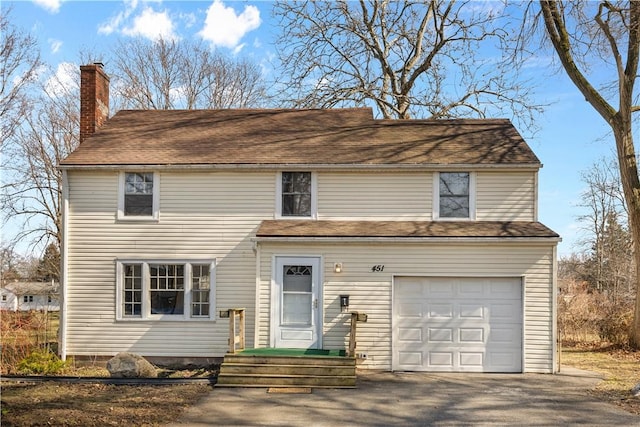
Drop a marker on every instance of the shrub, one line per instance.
(42, 362)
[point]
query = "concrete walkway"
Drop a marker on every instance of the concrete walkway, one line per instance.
(408, 399)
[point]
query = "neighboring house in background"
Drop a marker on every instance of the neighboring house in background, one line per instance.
(25, 296)
(430, 227)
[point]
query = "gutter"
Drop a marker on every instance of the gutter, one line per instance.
(310, 166)
(355, 239)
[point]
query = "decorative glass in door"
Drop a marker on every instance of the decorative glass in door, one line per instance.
(297, 295)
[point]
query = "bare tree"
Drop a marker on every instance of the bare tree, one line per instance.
(19, 63)
(607, 241)
(170, 74)
(32, 188)
(427, 59)
(605, 34)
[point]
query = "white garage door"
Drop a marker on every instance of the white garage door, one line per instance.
(457, 324)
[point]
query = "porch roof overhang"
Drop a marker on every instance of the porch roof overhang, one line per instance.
(485, 231)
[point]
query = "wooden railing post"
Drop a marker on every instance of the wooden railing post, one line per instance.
(355, 318)
(352, 335)
(236, 331)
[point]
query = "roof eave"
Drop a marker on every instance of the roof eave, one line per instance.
(314, 166)
(408, 239)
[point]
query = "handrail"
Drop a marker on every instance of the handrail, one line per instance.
(236, 332)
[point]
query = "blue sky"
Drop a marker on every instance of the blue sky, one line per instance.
(571, 136)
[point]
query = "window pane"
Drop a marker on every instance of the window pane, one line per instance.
(132, 291)
(454, 195)
(296, 309)
(296, 205)
(454, 183)
(296, 193)
(138, 196)
(200, 290)
(167, 284)
(297, 278)
(138, 205)
(167, 302)
(454, 207)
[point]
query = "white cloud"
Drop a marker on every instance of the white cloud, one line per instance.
(113, 24)
(52, 6)
(223, 27)
(147, 23)
(65, 77)
(55, 45)
(152, 25)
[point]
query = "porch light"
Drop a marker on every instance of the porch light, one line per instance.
(337, 267)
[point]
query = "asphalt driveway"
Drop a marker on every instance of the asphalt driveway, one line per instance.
(387, 399)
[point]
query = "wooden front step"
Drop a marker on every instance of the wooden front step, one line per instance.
(282, 371)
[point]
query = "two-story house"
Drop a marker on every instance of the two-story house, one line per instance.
(428, 226)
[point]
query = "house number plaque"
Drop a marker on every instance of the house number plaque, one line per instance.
(378, 268)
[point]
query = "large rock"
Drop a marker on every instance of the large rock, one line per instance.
(636, 390)
(129, 365)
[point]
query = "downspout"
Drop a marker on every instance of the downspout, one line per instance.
(256, 314)
(64, 267)
(554, 309)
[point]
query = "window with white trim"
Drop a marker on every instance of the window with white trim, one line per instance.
(165, 290)
(138, 195)
(454, 195)
(27, 298)
(296, 195)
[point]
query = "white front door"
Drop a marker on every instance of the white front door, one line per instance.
(296, 314)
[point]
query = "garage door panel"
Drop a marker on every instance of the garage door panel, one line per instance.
(437, 288)
(411, 358)
(471, 311)
(506, 310)
(471, 360)
(410, 310)
(505, 335)
(440, 311)
(465, 324)
(410, 335)
(440, 359)
(471, 335)
(440, 335)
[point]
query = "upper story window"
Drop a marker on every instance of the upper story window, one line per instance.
(296, 195)
(164, 291)
(139, 195)
(455, 195)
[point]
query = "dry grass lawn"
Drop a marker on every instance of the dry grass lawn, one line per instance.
(620, 368)
(64, 404)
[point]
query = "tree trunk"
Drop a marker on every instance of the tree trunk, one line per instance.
(631, 187)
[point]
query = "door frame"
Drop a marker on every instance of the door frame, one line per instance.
(316, 262)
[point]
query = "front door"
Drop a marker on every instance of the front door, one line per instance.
(296, 314)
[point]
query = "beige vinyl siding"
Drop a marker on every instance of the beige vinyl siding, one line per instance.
(375, 195)
(505, 196)
(371, 292)
(203, 216)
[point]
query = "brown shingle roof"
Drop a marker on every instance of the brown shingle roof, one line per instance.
(305, 137)
(403, 229)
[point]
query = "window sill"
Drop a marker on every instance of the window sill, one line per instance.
(165, 319)
(137, 219)
(454, 219)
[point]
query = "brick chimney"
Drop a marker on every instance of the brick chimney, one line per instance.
(94, 99)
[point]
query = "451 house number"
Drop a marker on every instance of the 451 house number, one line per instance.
(378, 268)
